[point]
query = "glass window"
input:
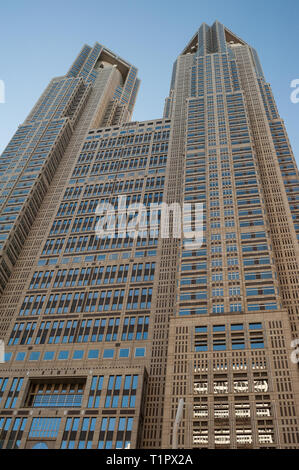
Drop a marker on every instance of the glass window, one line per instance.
(124, 352)
(139, 352)
(93, 354)
(219, 328)
(49, 356)
(78, 354)
(20, 356)
(7, 357)
(108, 353)
(63, 355)
(236, 327)
(257, 344)
(111, 425)
(201, 329)
(34, 356)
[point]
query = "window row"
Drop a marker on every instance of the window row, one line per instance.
(80, 331)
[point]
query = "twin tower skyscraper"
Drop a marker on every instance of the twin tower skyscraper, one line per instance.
(104, 335)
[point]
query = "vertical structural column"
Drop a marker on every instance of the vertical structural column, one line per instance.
(166, 294)
(285, 245)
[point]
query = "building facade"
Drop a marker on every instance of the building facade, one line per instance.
(104, 335)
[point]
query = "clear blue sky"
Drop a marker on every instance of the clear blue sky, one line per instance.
(40, 39)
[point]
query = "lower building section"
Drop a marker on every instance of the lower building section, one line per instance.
(95, 408)
(239, 384)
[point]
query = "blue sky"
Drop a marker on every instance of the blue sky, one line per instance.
(39, 40)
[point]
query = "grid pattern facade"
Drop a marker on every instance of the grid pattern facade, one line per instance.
(104, 335)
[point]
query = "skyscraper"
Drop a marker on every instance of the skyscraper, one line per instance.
(104, 335)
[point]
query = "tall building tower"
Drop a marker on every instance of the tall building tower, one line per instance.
(104, 335)
(237, 303)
